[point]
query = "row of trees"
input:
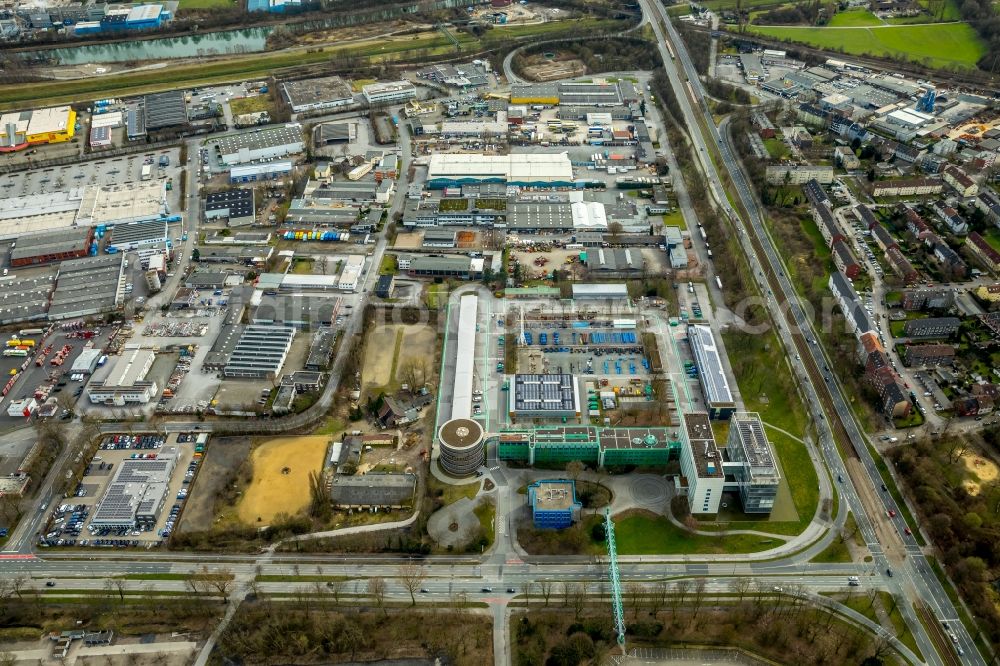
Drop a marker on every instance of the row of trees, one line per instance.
(782, 626)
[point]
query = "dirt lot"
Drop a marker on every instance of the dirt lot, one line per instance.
(563, 66)
(281, 477)
(383, 366)
(223, 458)
(984, 469)
(411, 240)
(554, 259)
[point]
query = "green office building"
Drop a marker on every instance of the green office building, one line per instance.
(603, 447)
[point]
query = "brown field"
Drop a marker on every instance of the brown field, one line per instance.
(223, 458)
(984, 469)
(382, 365)
(281, 477)
(563, 66)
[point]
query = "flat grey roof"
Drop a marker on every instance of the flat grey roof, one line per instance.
(373, 489)
(259, 139)
(321, 348)
(87, 286)
(553, 495)
(710, 370)
(52, 242)
(531, 215)
(323, 90)
(238, 201)
(140, 232)
(701, 439)
(604, 290)
(165, 109)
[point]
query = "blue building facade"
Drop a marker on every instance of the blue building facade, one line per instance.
(553, 503)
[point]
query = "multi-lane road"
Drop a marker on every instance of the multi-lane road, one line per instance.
(859, 486)
(897, 555)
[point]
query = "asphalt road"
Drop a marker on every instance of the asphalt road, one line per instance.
(912, 576)
(859, 488)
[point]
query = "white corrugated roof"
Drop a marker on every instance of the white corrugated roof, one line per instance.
(461, 397)
(527, 168)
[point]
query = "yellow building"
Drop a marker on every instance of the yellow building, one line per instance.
(54, 125)
(21, 129)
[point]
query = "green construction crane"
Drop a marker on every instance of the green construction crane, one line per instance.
(616, 580)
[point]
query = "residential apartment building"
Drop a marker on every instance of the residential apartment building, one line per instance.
(799, 174)
(906, 187)
(960, 181)
(983, 251)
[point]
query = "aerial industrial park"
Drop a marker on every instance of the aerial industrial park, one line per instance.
(516, 333)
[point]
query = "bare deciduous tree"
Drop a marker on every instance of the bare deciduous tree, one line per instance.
(546, 587)
(412, 576)
(376, 590)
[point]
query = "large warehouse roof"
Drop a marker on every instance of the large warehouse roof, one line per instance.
(710, 370)
(589, 215)
(461, 398)
(52, 243)
(603, 290)
(165, 109)
(529, 168)
(54, 119)
(260, 352)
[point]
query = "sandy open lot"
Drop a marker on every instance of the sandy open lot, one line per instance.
(391, 348)
(281, 477)
(984, 469)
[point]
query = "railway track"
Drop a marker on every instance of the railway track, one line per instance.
(945, 649)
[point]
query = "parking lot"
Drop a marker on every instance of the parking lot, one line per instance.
(34, 375)
(70, 523)
(103, 172)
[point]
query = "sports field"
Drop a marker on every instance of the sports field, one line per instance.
(942, 45)
(281, 477)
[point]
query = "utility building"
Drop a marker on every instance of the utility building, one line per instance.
(553, 503)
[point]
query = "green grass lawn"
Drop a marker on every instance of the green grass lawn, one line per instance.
(950, 13)
(675, 219)
(854, 18)
(303, 267)
(834, 553)
(253, 104)
(765, 382)
(799, 472)
(946, 45)
(203, 4)
(777, 148)
(992, 236)
(486, 512)
(435, 295)
(389, 266)
(731, 4)
(643, 533)
(451, 493)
